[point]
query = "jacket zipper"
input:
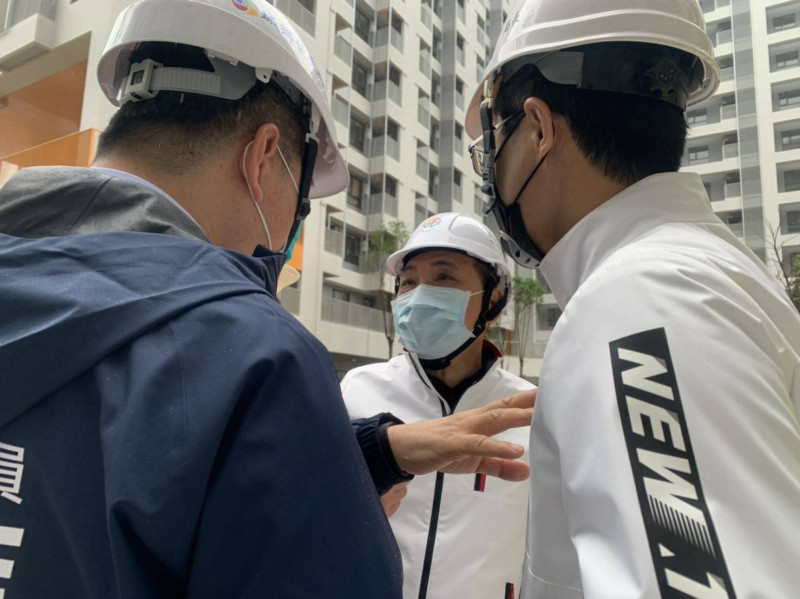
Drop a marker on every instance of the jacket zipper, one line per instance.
(437, 503)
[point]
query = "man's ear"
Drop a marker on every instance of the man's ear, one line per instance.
(540, 118)
(258, 156)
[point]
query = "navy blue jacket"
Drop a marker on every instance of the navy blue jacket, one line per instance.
(168, 430)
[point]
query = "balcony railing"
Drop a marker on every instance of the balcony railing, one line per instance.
(422, 167)
(390, 148)
(383, 203)
(458, 146)
(460, 100)
(727, 112)
(730, 150)
(460, 12)
(353, 315)
(480, 199)
(460, 55)
(726, 73)
(382, 37)
(725, 36)
(297, 13)
(425, 63)
(397, 39)
(426, 16)
(737, 228)
(341, 111)
(334, 241)
(733, 190)
(424, 113)
(343, 49)
(19, 10)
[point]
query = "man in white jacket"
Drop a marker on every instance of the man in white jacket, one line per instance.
(459, 535)
(665, 446)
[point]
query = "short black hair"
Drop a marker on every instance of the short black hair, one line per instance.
(628, 137)
(174, 131)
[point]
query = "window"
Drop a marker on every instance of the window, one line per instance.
(698, 154)
(787, 59)
(355, 192)
(352, 248)
(342, 296)
(362, 25)
(790, 140)
(436, 90)
(732, 218)
(391, 186)
(457, 178)
(783, 22)
(793, 221)
(696, 117)
(434, 138)
(359, 78)
(726, 67)
(433, 182)
(789, 98)
(460, 49)
(551, 316)
(791, 180)
(358, 134)
(437, 45)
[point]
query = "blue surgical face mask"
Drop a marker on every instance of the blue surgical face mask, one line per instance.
(430, 320)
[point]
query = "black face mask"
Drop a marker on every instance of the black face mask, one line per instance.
(513, 236)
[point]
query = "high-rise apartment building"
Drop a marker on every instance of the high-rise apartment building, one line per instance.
(745, 140)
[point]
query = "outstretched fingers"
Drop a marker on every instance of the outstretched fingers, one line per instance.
(511, 470)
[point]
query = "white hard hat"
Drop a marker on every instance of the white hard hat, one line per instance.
(538, 29)
(251, 32)
(452, 231)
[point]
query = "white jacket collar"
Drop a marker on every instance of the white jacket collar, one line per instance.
(656, 200)
(413, 361)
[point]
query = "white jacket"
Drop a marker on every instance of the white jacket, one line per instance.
(470, 544)
(665, 442)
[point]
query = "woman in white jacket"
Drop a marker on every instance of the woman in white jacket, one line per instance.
(459, 535)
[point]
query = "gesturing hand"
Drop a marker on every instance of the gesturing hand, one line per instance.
(462, 443)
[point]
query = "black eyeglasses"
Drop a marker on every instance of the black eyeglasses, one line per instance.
(478, 154)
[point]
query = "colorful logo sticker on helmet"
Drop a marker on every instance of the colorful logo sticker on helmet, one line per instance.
(247, 7)
(278, 21)
(431, 224)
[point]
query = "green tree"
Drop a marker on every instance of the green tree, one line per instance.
(389, 238)
(528, 294)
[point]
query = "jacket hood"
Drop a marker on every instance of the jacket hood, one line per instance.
(56, 201)
(69, 302)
